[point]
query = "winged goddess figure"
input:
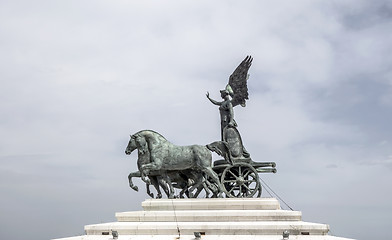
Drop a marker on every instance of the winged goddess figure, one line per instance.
(235, 93)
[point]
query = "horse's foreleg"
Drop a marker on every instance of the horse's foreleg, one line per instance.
(148, 190)
(207, 189)
(169, 183)
(184, 190)
(130, 176)
(181, 194)
(155, 183)
(145, 177)
(163, 184)
(192, 188)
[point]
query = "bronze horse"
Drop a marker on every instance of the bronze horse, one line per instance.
(157, 157)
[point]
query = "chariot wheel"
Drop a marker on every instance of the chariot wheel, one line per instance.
(240, 180)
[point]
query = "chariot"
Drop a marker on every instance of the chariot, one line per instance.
(238, 173)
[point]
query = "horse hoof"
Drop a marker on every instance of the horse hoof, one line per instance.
(159, 196)
(135, 188)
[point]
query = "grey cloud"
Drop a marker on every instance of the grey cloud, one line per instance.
(78, 77)
(331, 166)
(367, 15)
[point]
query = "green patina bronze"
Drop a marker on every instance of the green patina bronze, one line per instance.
(190, 168)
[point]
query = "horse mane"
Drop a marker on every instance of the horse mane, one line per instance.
(151, 131)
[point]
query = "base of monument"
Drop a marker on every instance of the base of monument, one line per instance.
(229, 218)
(210, 237)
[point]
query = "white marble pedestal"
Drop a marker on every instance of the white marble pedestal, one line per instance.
(252, 218)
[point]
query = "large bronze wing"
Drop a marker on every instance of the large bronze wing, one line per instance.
(238, 82)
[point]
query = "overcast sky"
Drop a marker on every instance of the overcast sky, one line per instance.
(78, 77)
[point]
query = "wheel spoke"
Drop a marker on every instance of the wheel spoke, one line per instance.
(247, 173)
(249, 188)
(229, 181)
(232, 174)
(249, 181)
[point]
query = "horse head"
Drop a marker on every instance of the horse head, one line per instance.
(139, 142)
(132, 145)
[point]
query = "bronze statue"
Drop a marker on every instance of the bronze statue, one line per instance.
(190, 168)
(237, 89)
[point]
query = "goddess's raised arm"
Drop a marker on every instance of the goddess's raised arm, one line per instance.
(212, 100)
